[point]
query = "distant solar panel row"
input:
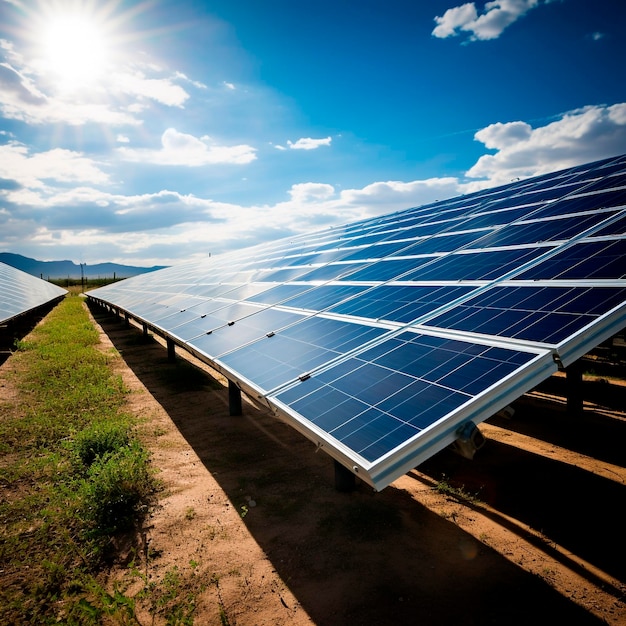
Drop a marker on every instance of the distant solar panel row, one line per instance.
(20, 293)
(382, 339)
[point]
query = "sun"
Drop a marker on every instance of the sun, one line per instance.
(74, 50)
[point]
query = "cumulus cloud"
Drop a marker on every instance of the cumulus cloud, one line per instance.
(579, 136)
(490, 24)
(331, 206)
(58, 165)
(183, 149)
(396, 195)
(306, 143)
(162, 90)
(121, 226)
(84, 207)
(21, 87)
(311, 192)
(497, 136)
(22, 99)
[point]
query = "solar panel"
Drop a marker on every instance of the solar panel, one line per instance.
(21, 293)
(385, 340)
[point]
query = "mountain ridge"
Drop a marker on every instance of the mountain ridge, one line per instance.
(69, 269)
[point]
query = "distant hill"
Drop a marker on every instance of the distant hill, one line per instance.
(69, 269)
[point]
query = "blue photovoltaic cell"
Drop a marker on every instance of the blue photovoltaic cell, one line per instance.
(194, 322)
(383, 404)
(276, 360)
(323, 297)
(276, 295)
(537, 232)
(617, 227)
(495, 218)
(377, 251)
(331, 272)
(424, 230)
(613, 181)
(400, 303)
(443, 243)
(387, 269)
(579, 204)
(380, 339)
(279, 275)
(232, 337)
(244, 292)
(314, 258)
(487, 265)
(545, 314)
(587, 260)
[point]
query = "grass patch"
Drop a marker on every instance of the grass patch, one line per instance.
(458, 493)
(75, 477)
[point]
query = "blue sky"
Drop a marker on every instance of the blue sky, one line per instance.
(157, 131)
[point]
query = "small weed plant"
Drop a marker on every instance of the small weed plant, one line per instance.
(458, 493)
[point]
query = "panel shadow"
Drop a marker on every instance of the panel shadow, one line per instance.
(384, 558)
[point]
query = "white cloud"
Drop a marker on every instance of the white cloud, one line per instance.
(385, 197)
(580, 136)
(21, 99)
(92, 220)
(19, 87)
(307, 143)
(455, 19)
(497, 136)
(195, 83)
(29, 93)
(183, 149)
(311, 192)
(490, 24)
(161, 90)
(58, 165)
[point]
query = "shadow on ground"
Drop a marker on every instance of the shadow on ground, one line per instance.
(384, 558)
(18, 327)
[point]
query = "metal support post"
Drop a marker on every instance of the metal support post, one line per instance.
(234, 399)
(574, 388)
(171, 350)
(345, 480)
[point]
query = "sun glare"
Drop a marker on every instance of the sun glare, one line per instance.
(75, 50)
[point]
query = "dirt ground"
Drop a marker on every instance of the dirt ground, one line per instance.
(253, 532)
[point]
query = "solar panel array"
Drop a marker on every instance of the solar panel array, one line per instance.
(383, 340)
(21, 293)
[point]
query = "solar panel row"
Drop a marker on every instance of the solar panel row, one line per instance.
(20, 293)
(382, 339)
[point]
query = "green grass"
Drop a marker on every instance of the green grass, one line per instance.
(458, 493)
(73, 475)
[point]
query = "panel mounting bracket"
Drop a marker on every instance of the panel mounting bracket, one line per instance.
(557, 359)
(469, 440)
